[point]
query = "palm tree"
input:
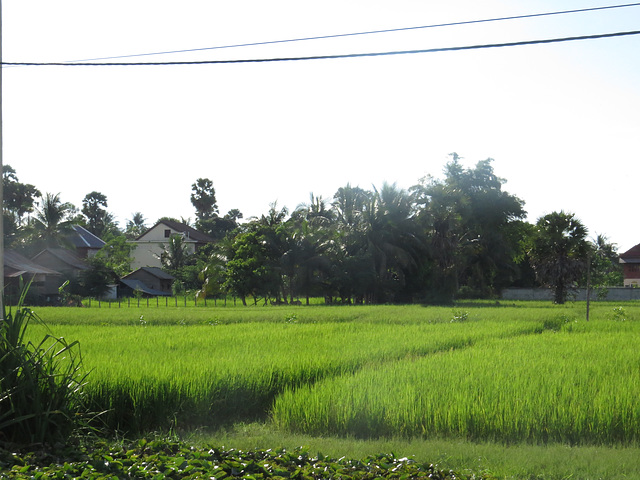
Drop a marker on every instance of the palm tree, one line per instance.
(53, 221)
(348, 203)
(135, 226)
(560, 251)
(391, 239)
(176, 254)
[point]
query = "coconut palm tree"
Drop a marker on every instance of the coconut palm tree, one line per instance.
(391, 239)
(135, 226)
(53, 221)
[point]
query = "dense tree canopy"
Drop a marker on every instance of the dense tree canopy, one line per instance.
(96, 218)
(19, 199)
(203, 198)
(467, 220)
(454, 236)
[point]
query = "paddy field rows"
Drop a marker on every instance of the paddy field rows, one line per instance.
(520, 372)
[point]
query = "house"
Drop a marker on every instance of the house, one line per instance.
(85, 242)
(150, 281)
(630, 261)
(148, 247)
(17, 266)
(67, 262)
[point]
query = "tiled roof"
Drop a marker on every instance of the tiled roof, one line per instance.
(21, 265)
(65, 256)
(633, 252)
(83, 238)
(155, 271)
(138, 285)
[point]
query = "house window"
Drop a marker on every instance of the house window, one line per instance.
(167, 233)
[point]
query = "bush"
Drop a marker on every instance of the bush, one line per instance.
(40, 385)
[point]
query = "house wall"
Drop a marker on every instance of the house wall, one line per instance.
(52, 283)
(146, 254)
(631, 274)
(149, 247)
(152, 281)
(41, 284)
(54, 263)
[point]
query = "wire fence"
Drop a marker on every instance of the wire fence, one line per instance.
(175, 301)
(187, 301)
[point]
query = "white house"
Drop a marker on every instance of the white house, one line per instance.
(149, 246)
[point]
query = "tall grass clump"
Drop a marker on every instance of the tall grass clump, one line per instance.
(40, 383)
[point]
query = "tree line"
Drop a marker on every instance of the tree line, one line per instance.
(460, 236)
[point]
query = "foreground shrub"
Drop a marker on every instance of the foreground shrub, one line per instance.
(40, 383)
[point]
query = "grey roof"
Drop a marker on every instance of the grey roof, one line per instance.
(155, 271)
(21, 265)
(190, 232)
(138, 285)
(83, 238)
(65, 256)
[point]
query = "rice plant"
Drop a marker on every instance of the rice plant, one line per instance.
(566, 387)
(147, 376)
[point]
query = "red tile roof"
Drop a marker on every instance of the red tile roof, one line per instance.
(633, 252)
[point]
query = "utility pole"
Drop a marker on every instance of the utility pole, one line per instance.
(1, 187)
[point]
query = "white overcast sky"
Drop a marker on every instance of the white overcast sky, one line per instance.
(562, 120)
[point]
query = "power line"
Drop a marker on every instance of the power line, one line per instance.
(371, 32)
(328, 57)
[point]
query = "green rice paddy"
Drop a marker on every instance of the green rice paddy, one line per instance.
(518, 373)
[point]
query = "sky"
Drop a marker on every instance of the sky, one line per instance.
(560, 120)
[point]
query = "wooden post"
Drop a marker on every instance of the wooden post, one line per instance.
(588, 284)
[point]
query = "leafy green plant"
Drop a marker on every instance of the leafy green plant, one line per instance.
(460, 316)
(174, 459)
(556, 324)
(619, 314)
(40, 383)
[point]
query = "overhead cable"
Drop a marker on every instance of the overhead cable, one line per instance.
(371, 32)
(328, 57)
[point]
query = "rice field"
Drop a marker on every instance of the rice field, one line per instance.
(523, 372)
(575, 388)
